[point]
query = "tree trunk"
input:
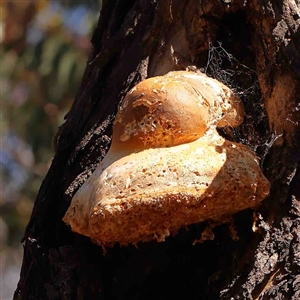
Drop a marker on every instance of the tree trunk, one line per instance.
(252, 46)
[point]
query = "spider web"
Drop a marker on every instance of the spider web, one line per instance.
(224, 67)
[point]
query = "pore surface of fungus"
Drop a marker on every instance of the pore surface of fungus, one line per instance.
(167, 166)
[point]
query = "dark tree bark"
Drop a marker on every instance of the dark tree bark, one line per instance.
(254, 46)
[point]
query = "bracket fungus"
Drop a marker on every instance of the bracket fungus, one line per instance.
(167, 166)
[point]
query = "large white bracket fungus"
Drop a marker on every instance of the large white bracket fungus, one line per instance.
(167, 166)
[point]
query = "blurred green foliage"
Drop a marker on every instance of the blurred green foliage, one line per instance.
(44, 48)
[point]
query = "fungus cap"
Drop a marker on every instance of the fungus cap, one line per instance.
(157, 178)
(160, 112)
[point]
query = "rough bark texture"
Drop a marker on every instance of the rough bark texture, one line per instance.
(137, 39)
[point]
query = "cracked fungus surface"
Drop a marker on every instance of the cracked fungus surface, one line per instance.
(167, 166)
